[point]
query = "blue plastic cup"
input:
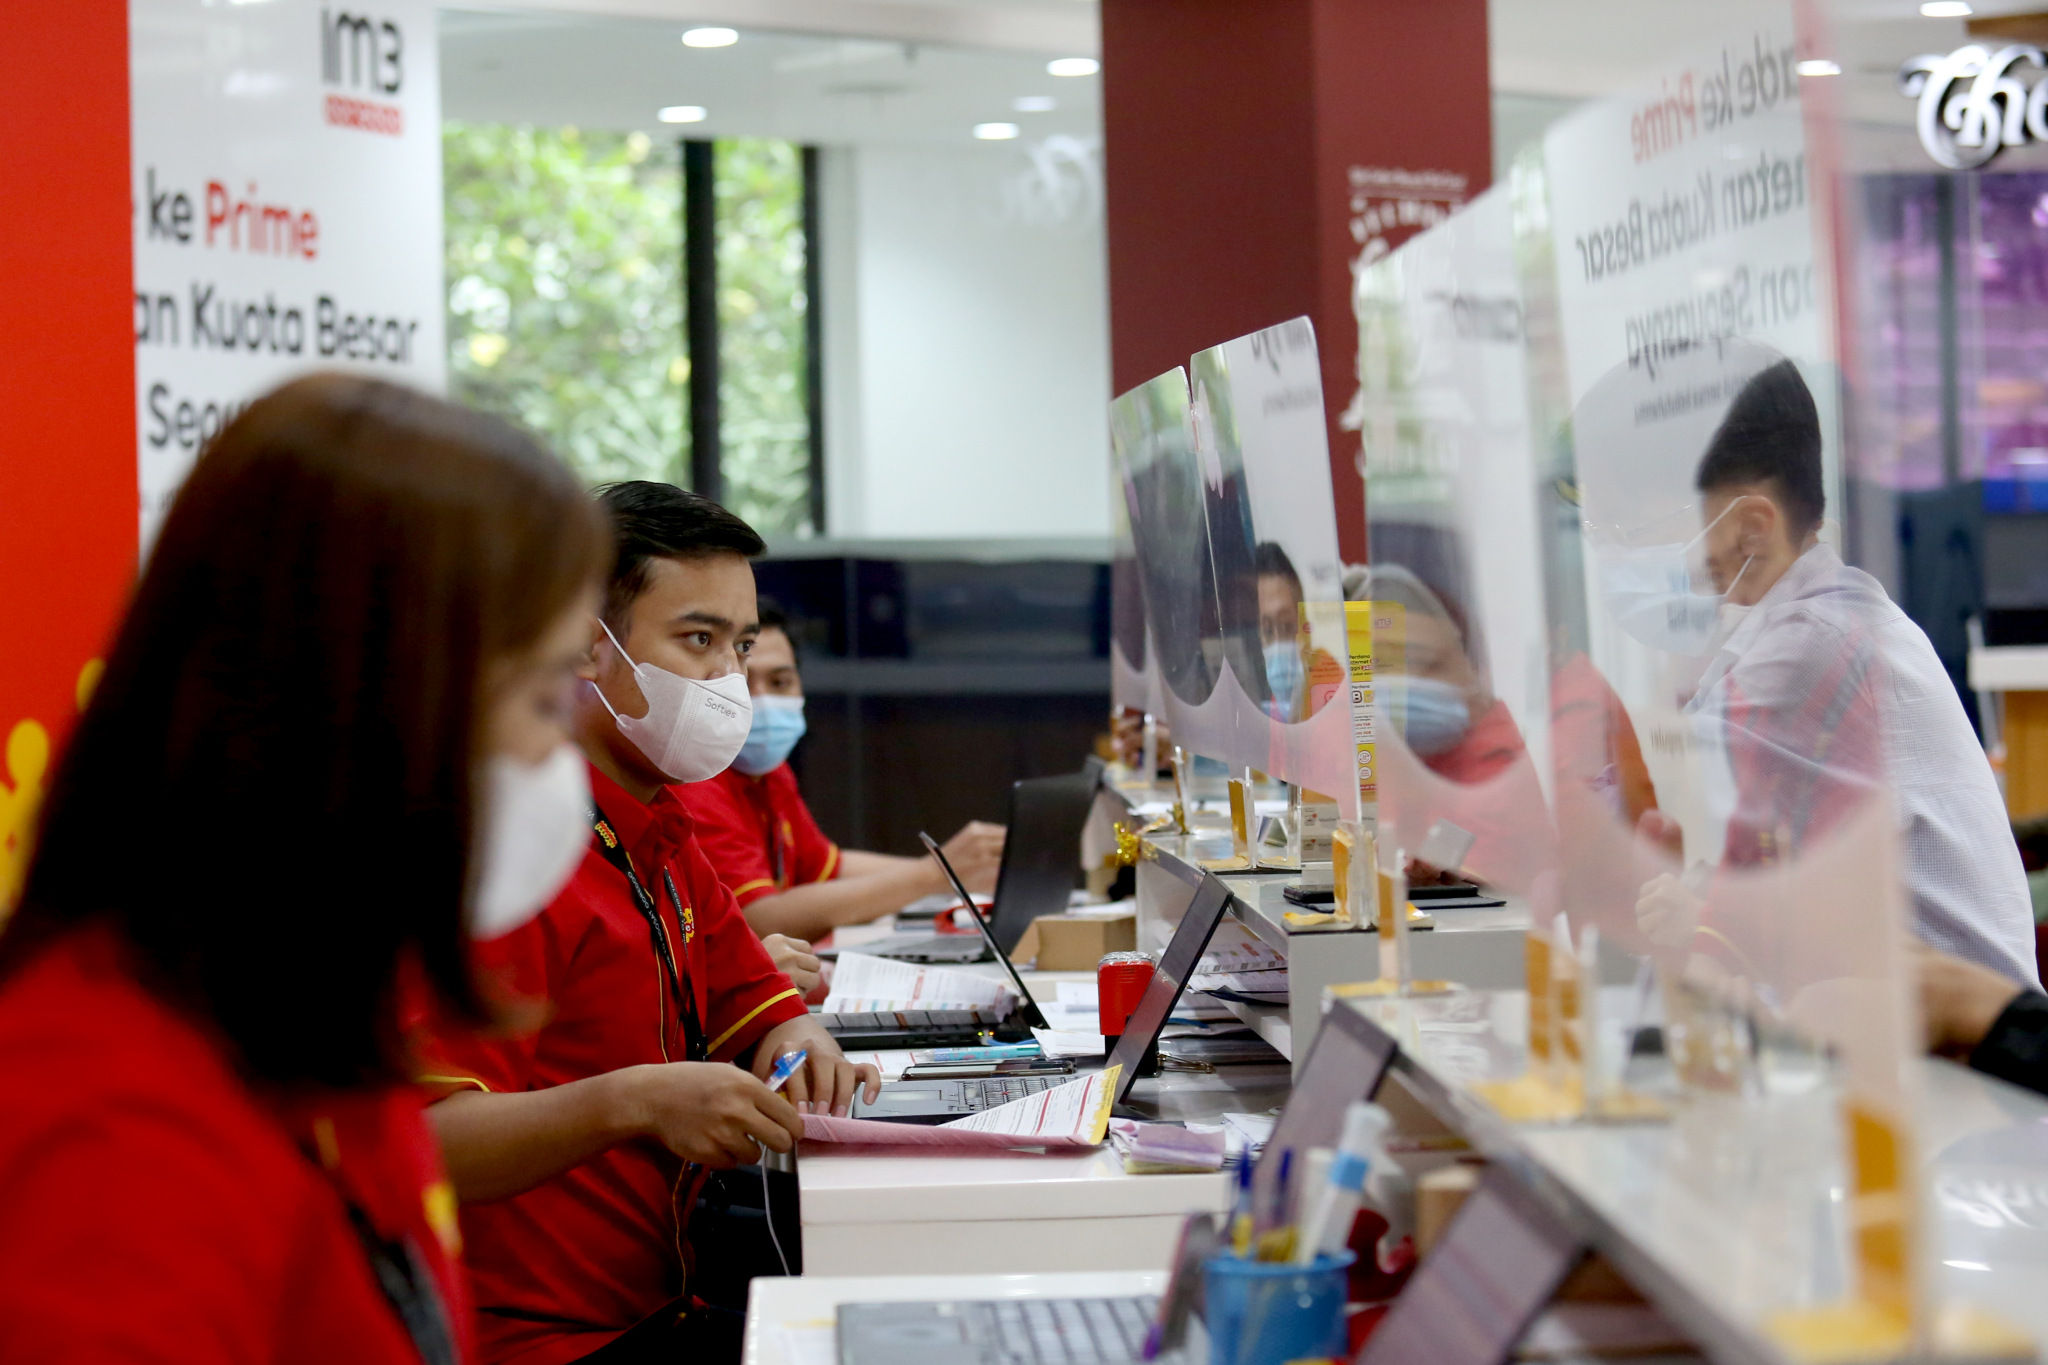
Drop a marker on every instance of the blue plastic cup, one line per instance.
(1269, 1312)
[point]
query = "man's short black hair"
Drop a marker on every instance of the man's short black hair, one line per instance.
(772, 616)
(661, 521)
(1269, 559)
(1771, 435)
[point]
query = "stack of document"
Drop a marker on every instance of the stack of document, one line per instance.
(862, 984)
(1238, 966)
(1072, 1115)
(1235, 948)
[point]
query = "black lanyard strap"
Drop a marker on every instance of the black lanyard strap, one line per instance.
(678, 981)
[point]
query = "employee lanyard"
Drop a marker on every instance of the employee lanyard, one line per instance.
(677, 979)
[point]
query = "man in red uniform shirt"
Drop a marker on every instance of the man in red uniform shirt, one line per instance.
(578, 1147)
(787, 876)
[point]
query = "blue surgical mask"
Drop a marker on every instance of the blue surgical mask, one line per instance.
(1283, 677)
(1650, 591)
(778, 725)
(1434, 715)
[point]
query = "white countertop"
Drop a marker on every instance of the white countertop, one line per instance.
(1735, 1209)
(2009, 668)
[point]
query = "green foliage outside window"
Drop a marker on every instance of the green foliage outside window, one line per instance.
(565, 292)
(764, 422)
(565, 305)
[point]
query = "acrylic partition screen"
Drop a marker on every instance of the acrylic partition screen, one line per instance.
(1734, 711)
(1460, 665)
(1283, 701)
(1938, 148)
(1151, 441)
(1133, 671)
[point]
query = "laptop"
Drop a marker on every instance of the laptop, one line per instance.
(943, 1028)
(940, 1101)
(1346, 1063)
(1041, 857)
(997, 1332)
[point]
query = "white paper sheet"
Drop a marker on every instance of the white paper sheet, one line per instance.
(1078, 995)
(1068, 1043)
(863, 983)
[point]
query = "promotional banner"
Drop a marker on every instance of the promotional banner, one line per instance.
(1673, 227)
(286, 179)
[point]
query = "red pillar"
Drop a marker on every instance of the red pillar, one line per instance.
(67, 382)
(1255, 149)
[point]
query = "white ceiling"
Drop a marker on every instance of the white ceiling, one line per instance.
(926, 71)
(602, 71)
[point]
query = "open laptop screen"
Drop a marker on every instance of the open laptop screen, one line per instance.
(1176, 965)
(1033, 1016)
(1042, 854)
(1345, 1065)
(1499, 1262)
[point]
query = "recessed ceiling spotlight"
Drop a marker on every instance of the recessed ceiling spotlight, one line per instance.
(1034, 104)
(1072, 66)
(682, 113)
(995, 132)
(710, 37)
(1819, 66)
(1946, 9)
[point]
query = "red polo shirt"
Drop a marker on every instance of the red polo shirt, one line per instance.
(154, 1208)
(758, 832)
(562, 1269)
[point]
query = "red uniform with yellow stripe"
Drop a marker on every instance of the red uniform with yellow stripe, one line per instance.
(561, 1269)
(758, 832)
(155, 1207)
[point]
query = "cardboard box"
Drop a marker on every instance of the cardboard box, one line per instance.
(1076, 941)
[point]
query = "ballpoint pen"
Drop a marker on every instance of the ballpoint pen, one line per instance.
(785, 1067)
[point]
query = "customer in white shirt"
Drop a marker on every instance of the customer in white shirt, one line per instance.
(1826, 693)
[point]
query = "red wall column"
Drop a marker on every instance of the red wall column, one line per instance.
(1255, 149)
(68, 492)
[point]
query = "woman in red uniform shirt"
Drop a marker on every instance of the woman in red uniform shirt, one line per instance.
(327, 748)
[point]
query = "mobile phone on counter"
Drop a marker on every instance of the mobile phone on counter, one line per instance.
(967, 1071)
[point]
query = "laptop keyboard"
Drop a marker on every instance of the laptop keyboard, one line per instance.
(1065, 1331)
(907, 1020)
(990, 1091)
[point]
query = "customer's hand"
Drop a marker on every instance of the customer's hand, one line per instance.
(712, 1113)
(976, 853)
(1662, 832)
(826, 1082)
(1959, 1000)
(1667, 911)
(793, 958)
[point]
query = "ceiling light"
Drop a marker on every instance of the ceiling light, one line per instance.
(995, 132)
(682, 113)
(1946, 9)
(1819, 66)
(1078, 66)
(710, 37)
(1034, 104)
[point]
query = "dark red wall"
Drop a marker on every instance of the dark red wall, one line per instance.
(1230, 127)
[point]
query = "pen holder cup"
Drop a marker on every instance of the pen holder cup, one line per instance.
(1270, 1312)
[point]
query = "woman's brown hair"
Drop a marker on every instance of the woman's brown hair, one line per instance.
(271, 795)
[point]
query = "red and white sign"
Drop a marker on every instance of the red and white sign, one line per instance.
(286, 175)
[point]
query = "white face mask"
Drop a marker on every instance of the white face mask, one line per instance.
(692, 730)
(536, 821)
(1650, 591)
